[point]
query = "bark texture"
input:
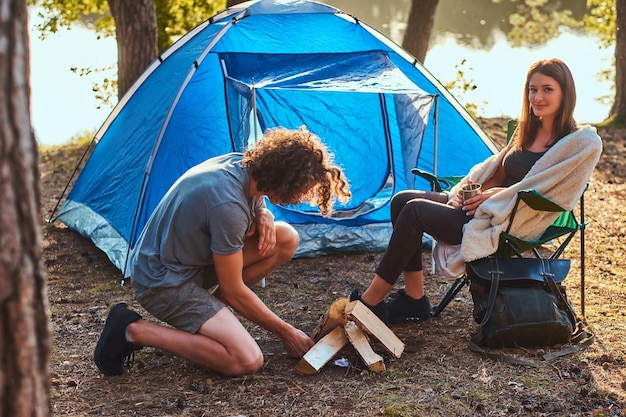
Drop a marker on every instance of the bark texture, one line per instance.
(419, 28)
(24, 332)
(136, 33)
(618, 110)
(233, 2)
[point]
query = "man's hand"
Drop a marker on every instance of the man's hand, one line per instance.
(234, 292)
(297, 343)
(264, 226)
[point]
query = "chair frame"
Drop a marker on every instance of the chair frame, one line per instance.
(509, 245)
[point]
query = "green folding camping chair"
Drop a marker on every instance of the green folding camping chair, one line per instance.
(564, 228)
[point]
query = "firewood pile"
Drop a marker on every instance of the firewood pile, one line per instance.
(350, 322)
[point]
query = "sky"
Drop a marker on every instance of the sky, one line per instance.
(500, 72)
(63, 103)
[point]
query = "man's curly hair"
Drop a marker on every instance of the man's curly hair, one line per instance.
(295, 164)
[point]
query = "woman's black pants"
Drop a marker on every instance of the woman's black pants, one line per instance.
(414, 213)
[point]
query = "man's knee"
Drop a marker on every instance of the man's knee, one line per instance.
(287, 238)
(246, 362)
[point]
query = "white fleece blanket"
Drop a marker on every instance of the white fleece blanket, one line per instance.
(560, 175)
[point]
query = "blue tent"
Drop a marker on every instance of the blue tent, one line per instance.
(263, 64)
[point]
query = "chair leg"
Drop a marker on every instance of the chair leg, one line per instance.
(452, 292)
(583, 225)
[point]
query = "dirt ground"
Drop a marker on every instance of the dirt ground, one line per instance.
(437, 375)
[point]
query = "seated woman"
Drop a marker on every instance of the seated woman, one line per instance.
(548, 152)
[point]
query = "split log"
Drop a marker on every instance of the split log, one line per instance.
(322, 352)
(335, 316)
(371, 324)
(357, 338)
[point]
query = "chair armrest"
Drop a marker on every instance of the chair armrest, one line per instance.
(438, 184)
(538, 202)
(432, 180)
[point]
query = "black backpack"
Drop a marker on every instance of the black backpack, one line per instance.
(520, 302)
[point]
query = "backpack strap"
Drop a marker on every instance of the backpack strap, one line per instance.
(581, 338)
(548, 278)
(495, 273)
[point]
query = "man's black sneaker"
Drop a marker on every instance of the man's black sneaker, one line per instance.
(379, 309)
(113, 351)
(403, 308)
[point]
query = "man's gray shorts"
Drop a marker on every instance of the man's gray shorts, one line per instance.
(186, 307)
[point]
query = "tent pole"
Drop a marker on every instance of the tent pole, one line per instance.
(436, 135)
(256, 133)
(433, 266)
(256, 140)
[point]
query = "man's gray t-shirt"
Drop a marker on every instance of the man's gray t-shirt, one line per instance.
(208, 210)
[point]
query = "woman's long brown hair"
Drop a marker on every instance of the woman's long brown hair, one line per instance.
(564, 123)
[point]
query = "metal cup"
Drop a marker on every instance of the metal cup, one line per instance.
(470, 190)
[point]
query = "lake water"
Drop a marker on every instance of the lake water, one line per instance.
(472, 30)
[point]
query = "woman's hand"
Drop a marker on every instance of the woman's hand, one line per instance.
(456, 200)
(471, 204)
(264, 225)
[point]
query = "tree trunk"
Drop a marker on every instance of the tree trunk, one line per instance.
(136, 33)
(24, 333)
(618, 111)
(233, 2)
(419, 28)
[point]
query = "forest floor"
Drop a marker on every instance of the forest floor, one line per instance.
(437, 375)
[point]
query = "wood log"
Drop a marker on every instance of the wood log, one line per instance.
(357, 338)
(372, 325)
(322, 352)
(335, 316)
